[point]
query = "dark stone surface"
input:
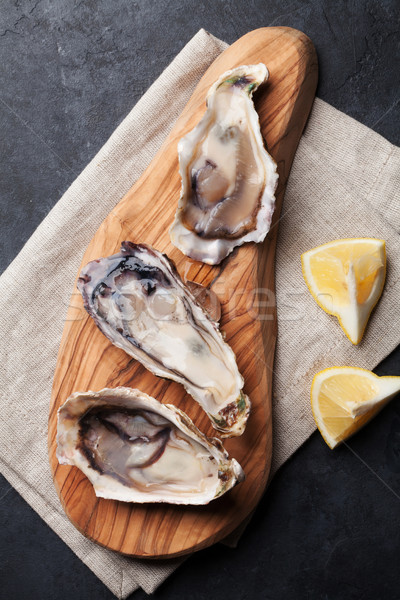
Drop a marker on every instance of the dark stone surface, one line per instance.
(70, 71)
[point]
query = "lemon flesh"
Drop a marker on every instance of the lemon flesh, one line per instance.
(346, 278)
(343, 399)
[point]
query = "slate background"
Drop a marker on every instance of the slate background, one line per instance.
(328, 528)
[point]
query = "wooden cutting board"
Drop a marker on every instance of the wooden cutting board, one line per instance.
(244, 283)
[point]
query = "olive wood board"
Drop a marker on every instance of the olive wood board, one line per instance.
(244, 283)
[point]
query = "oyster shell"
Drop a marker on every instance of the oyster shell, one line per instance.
(228, 178)
(135, 449)
(139, 301)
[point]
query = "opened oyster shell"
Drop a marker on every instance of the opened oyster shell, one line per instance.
(139, 301)
(135, 449)
(228, 178)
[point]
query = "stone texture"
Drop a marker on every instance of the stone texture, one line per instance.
(70, 71)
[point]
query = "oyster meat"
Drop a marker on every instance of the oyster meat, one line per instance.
(228, 177)
(138, 300)
(135, 449)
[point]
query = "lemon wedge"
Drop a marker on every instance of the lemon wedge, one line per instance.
(346, 278)
(343, 399)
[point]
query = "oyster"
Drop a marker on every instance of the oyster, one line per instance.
(135, 449)
(228, 178)
(139, 301)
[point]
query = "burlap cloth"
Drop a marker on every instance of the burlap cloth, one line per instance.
(344, 183)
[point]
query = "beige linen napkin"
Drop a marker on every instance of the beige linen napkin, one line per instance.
(343, 184)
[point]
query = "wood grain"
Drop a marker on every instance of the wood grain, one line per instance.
(244, 283)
